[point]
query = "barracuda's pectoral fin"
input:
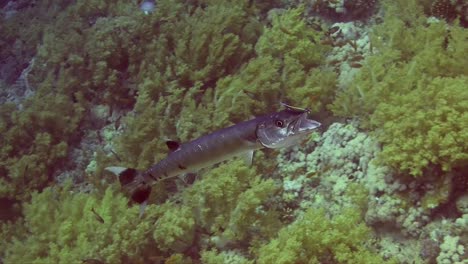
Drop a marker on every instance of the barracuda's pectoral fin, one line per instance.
(248, 157)
(172, 145)
(188, 178)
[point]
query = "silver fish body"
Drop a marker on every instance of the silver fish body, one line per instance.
(281, 129)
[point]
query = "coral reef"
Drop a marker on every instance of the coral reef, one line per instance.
(451, 251)
(410, 64)
(314, 238)
(35, 141)
(62, 227)
(343, 171)
(90, 83)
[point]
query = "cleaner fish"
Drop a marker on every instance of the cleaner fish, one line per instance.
(277, 130)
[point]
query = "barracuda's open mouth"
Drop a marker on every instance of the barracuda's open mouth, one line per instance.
(304, 125)
(301, 124)
(299, 129)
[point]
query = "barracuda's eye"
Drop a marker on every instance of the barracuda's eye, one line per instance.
(279, 123)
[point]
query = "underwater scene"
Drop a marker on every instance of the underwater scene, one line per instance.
(233, 131)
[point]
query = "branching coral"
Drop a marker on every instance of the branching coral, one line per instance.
(230, 257)
(230, 202)
(291, 48)
(62, 228)
(314, 238)
(418, 70)
(426, 125)
(35, 141)
(175, 229)
(451, 251)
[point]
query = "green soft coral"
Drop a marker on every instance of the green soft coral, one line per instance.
(223, 27)
(287, 67)
(297, 56)
(412, 92)
(214, 257)
(99, 57)
(427, 127)
(314, 238)
(175, 229)
(61, 228)
(230, 203)
(197, 45)
(35, 141)
(290, 36)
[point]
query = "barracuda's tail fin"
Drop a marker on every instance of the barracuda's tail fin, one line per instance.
(133, 183)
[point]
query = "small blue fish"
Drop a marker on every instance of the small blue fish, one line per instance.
(148, 6)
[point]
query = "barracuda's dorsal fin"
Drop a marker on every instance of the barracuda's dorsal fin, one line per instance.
(172, 145)
(294, 108)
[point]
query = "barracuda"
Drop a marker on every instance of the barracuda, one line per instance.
(277, 130)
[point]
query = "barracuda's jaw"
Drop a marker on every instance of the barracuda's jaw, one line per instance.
(304, 125)
(286, 128)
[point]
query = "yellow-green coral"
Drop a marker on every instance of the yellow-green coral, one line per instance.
(290, 36)
(292, 49)
(315, 238)
(175, 229)
(412, 93)
(35, 141)
(230, 202)
(427, 126)
(189, 68)
(214, 257)
(286, 69)
(61, 228)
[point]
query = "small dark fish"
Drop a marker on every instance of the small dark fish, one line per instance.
(316, 26)
(116, 156)
(285, 30)
(327, 41)
(357, 58)
(340, 43)
(92, 261)
(99, 137)
(249, 94)
(98, 217)
(353, 44)
(117, 123)
(334, 62)
(333, 30)
(355, 65)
